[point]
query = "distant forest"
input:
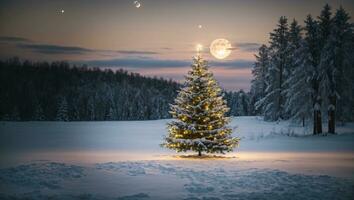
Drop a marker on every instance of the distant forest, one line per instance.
(58, 91)
(306, 73)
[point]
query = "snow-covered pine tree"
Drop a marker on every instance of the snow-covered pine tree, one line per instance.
(294, 40)
(242, 104)
(324, 26)
(324, 30)
(62, 113)
(298, 93)
(109, 113)
(91, 108)
(75, 110)
(200, 124)
(311, 56)
(349, 116)
(259, 72)
(231, 99)
(335, 67)
(274, 99)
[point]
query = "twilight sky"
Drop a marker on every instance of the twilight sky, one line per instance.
(157, 39)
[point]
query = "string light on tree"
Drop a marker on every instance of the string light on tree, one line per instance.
(199, 111)
(199, 48)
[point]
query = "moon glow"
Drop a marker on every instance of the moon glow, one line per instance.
(137, 4)
(220, 48)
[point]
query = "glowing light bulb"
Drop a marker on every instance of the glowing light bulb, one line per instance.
(199, 48)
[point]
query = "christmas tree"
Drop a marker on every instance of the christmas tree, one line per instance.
(199, 112)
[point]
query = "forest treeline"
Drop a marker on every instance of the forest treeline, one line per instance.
(306, 73)
(61, 92)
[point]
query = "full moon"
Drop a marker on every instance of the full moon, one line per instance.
(137, 4)
(220, 48)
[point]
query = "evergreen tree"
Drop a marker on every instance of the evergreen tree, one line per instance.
(259, 72)
(335, 67)
(75, 112)
(299, 94)
(242, 104)
(294, 38)
(324, 26)
(199, 111)
(322, 35)
(311, 58)
(298, 89)
(232, 99)
(89, 91)
(91, 109)
(273, 102)
(348, 110)
(62, 113)
(317, 71)
(110, 114)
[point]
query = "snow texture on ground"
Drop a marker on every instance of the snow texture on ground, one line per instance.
(45, 181)
(123, 161)
(35, 175)
(256, 135)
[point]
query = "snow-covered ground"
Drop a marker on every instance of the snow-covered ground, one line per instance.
(123, 160)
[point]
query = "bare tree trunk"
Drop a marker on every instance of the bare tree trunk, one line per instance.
(332, 114)
(318, 122)
(303, 121)
(317, 119)
(199, 153)
(317, 126)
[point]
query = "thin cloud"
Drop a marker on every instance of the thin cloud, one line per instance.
(166, 48)
(58, 49)
(14, 39)
(54, 49)
(157, 63)
(248, 46)
(137, 63)
(136, 52)
(235, 64)
(28, 44)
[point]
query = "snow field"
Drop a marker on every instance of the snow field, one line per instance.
(123, 160)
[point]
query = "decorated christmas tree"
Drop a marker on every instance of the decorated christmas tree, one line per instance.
(199, 111)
